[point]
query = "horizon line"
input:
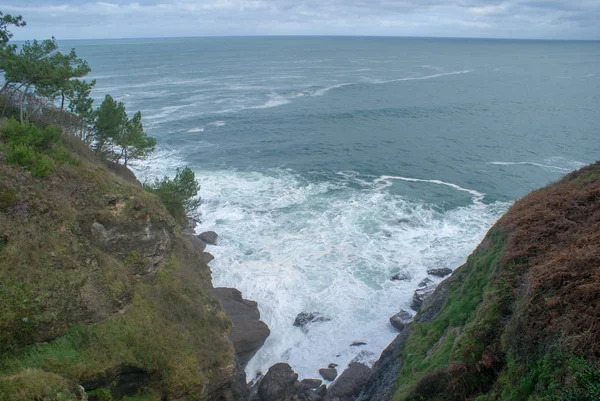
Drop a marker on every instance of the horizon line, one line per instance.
(327, 36)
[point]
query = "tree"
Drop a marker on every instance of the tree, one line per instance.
(6, 20)
(115, 134)
(179, 195)
(64, 69)
(111, 120)
(134, 142)
(39, 65)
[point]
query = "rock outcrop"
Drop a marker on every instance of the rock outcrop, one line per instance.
(249, 333)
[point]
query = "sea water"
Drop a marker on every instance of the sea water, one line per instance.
(328, 165)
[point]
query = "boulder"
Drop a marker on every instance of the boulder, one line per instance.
(304, 318)
(350, 382)
(358, 344)
(424, 291)
(328, 373)
(332, 365)
(249, 332)
(401, 277)
(278, 383)
(208, 237)
(312, 383)
(441, 272)
(401, 319)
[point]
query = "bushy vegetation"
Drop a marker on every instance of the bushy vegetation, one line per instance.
(179, 194)
(38, 149)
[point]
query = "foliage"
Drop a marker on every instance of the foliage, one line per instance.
(179, 194)
(32, 147)
(119, 137)
(6, 20)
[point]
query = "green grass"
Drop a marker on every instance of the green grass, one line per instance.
(464, 308)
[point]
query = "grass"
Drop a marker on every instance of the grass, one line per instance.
(520, 321)
(75, 309)
(440, 336)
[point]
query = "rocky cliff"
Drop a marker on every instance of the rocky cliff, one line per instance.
(101, 296)
(520, 319)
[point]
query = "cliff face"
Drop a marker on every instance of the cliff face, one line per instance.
(100, 292)
(520, 319)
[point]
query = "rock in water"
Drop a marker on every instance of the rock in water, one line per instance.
(209, 237)
(350, 381)
(249, 332)
(400, 277)
(305, 318)
(401, 319)
(420, 295)
(441, 272)
(358, 343)
(278, 383)
(328, 373)
(312, 383)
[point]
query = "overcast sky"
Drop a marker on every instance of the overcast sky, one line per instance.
(81, 19)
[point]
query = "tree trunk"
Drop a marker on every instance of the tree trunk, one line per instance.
(62, 102)
(23, 100)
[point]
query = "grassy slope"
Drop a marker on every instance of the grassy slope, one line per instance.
(78, 303)
(521, 318)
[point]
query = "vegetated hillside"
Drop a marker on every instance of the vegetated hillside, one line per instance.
(97, 286)
(520, 320)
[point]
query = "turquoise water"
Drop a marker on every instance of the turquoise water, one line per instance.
(328, 164)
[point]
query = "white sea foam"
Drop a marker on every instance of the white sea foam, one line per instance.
(217, 123)
(297, 245)
(476, 196)
(418, 78)
(570, 165)
(196, 129)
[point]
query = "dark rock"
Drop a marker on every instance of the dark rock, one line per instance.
(357, 344)
(400, 277)
(328, 373)
(382, 384)
(424, 291)
(322, 391)
(208, 237)
(312, 383)
(403, 221)
(332, 365)
(278, 383)
(426, 282)
(441, 272)
(206, 257)
(350, 382)
(249, 332)
(305, 318)
(312, 395)
(401, 319)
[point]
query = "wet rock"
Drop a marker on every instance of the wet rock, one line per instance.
(357, 344)
(400, 277)
(208, 237)
(249, 332)
(350, 382)
(322, 391)
(278, 383)
(441, 272)
(305, 318)
(426, 282)
(328, 373)
(332, 365)
(312, 383)
(422, 293)
(401, 319)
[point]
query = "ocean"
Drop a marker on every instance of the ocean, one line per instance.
(328, 164)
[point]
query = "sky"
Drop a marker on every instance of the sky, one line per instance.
(87, 19)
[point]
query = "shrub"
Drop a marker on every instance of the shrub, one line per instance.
(179, 195)
(33, 147)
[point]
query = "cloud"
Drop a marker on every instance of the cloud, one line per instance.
(151, 18)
